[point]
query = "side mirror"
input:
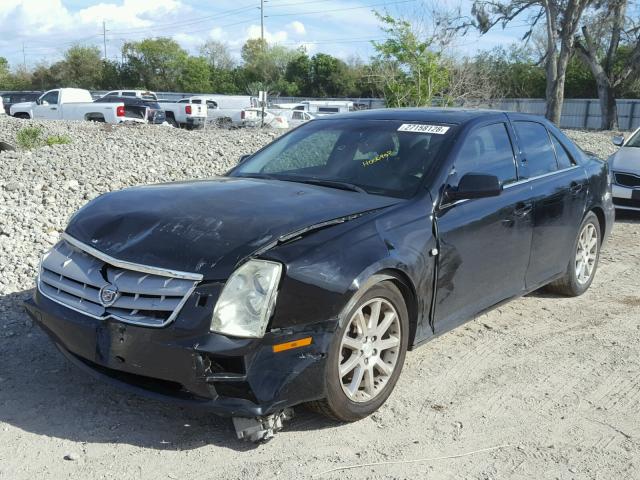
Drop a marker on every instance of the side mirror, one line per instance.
(38, 101)
(475, 185)
(244, 158)
(618, 140)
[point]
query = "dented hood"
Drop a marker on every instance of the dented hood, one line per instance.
(207, 227)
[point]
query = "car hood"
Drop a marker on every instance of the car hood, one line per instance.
(22, 105)
(208, 226)
(627, 159)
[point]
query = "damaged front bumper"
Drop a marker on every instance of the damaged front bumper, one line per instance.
(230, 376)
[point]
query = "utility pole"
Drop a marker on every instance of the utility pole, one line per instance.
(104, 38)
(263, 94)
(262, 21)
(24, 57)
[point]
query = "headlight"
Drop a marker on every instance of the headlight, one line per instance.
(247, 300)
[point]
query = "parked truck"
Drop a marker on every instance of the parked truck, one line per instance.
(69, 104)
(185, 113)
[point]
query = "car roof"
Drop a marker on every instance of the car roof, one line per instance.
(457, 116)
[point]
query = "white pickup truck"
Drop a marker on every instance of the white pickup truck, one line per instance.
(69, 104)
(185, 113)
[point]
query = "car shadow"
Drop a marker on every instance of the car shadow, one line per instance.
(42, 393)
(627, 216)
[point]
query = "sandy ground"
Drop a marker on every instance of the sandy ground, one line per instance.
(544, 387)
(554, 381)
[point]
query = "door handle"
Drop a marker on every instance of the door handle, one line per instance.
(576, 187)
(53, 108)
(523, 209)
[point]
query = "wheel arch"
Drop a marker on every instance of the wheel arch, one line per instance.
(599, 213)
(402, 281)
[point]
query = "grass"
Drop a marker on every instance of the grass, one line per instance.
(57, 140)
(29, 138)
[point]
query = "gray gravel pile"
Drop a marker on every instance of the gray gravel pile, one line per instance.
(40, 189)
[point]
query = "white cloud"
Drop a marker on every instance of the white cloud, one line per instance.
(297, 27)
(253, 31)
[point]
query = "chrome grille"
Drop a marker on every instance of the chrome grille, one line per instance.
(74, 275)
(628, 180)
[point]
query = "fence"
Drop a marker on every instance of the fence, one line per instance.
(576, 113)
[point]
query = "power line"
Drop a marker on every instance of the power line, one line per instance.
(340, 9)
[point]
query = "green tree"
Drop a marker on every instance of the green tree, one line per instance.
(195, 75)
(298, 72)
(81, 68)
(407, 71)
(329, 76)
(217, 55)
(155, 63)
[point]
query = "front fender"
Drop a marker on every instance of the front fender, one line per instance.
(324, 270)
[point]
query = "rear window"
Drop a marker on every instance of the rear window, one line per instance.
(539, 156)
(564, 159)
(128, 94)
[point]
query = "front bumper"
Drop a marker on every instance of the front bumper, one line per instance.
(228, 376)
(625, 198)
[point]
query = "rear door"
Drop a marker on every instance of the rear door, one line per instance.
(484, 242)
(560, 191)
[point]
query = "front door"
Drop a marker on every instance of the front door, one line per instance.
(484, 242)
(48, 108)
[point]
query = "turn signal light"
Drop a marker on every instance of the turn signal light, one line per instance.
(281, 347)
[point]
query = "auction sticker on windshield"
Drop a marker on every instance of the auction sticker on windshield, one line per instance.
(422, 128)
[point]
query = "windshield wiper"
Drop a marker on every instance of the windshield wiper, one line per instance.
(311, 181)
(332, 184)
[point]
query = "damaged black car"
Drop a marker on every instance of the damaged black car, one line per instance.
(305, 274)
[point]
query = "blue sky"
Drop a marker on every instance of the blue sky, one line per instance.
(342, 28)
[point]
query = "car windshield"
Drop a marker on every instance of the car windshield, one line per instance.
(634, 141)
(380, 157)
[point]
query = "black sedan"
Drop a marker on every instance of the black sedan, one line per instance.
(306, 273)
(139, 108)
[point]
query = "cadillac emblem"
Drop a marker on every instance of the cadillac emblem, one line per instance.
(108, 295)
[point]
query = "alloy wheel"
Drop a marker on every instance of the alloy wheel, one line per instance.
(369, 350)
(587, 253)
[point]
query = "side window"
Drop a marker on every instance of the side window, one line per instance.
(536, 147)
(211, 104)
(197, 101)
(51, 98)
(564, 159)
(128, 94)
(184, 100)
(297, 115)
(112, 94)
(488, 150)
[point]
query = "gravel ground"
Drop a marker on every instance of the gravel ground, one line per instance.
(553, 382)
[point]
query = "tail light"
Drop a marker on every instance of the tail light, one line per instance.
(120, 111)
(187, 109)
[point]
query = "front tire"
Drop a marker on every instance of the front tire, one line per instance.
(584, 260)
(366, 355)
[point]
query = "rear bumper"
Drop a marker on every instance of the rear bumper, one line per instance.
(229, 377)
(196, 122)
(625, 198)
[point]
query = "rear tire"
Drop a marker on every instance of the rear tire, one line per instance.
(366, 355)
(583, 262)
(171, 121)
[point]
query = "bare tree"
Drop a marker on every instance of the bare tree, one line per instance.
(217, 54)
(561, 19)
(598, 47)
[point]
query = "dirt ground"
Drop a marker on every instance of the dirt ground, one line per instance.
(554, 383)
